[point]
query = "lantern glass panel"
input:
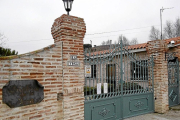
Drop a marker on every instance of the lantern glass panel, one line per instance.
(68, 5)
(65, 4)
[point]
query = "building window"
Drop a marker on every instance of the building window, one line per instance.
(139, 70)
(93, 71)
(111, 73)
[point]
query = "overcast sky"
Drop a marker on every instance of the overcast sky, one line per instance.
(27, 23)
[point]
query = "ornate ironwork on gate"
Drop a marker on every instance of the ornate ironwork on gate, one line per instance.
(173, 81)
(118, 84)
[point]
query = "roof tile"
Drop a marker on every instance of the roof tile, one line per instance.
(139, 46)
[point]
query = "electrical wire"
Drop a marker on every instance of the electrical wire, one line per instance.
(94, 34)
(32, 40)
(116, 35)
(121, 30)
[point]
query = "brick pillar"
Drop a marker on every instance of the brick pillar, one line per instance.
(157, 48)
(70, 31)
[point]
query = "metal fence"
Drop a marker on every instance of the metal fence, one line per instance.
(116, 72)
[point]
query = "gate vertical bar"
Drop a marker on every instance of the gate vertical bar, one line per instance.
(127, 59)
(121, 77)
(93, 75)
(103, 73)
(178, 77)
(100, 77)
(152, 63)
(123, 67)
(118, 72)
(135, 87)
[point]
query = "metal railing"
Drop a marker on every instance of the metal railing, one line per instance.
(117, 72)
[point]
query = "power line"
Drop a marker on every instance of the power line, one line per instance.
(121, 30)
(32, 40)
(116, 35)
(86, 38)
(92, 34)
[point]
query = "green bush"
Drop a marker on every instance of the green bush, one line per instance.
(89, 90)
(7, 52)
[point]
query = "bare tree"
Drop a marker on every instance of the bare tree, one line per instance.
(103, 43)
(125, 41)
(108, 42)
(3, 40)
(134, 41)
(154, 33)
(172, 29)
(5, 51)
(177, 27)
(169, 30)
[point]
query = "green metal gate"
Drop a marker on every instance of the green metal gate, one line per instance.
(173, 81)
(118, 84)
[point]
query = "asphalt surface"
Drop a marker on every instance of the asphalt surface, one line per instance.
(172, 114)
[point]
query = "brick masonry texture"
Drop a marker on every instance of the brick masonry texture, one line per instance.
(49, 67)
(71, 30)
(45, 66)
(157, 49)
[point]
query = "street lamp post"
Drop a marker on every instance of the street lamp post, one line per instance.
(161, 10)
(68, 5)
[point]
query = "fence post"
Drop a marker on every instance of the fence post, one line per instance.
(157, 49)
(70, 31)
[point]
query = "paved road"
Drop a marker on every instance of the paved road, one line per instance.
(171, 115)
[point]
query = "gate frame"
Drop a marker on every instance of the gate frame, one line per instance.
(173, 88)
(122, 97)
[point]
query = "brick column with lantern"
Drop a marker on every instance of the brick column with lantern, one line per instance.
(70, 31)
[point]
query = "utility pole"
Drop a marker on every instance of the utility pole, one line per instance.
(161, 10)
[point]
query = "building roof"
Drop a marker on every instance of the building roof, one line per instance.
(137, 46)
(140, 46)
(176, 40)
(143, 45)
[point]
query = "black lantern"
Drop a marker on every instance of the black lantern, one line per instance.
(68, 5)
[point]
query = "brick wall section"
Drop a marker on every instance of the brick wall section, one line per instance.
(71, 30)
(45, 66)
(157, 48)
(49, 67)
